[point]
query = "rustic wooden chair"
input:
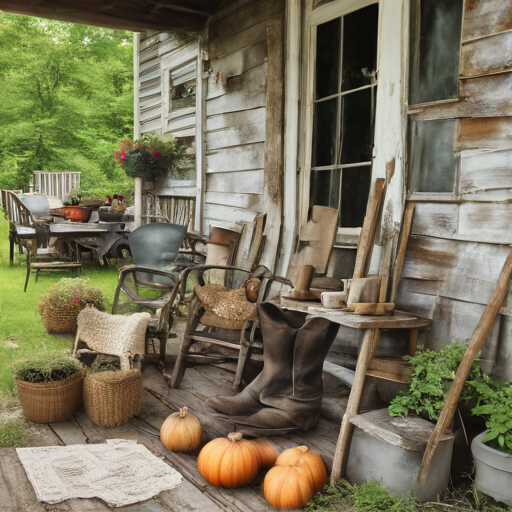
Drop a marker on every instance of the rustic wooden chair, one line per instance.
(152, 281)
(244, 341)
(42, 257)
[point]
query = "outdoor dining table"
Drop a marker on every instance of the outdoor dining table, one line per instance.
(372, 325)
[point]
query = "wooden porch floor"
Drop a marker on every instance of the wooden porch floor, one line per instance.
(194, 494)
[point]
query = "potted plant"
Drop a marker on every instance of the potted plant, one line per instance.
(59, 307)
(50, 388)
(72, 208)
(492, 449)
(151, 156)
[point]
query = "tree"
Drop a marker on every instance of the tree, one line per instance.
(66, 99)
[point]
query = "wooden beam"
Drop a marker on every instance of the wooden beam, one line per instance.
(119, 18)
(192, 6)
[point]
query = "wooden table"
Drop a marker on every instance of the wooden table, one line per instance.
(372, 326)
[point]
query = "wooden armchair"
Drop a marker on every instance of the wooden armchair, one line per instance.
(233, 278)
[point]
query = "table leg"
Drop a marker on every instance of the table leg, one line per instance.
(370, 341)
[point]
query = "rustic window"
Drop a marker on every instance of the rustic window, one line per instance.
(182, 87)
(432, 162)
(343, 113)
(434, 50)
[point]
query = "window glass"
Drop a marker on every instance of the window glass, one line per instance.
(357, 126)
(328, 58)
(346, 60)
(353, 206)
(359, 47)
(434, 50)
(432, 162)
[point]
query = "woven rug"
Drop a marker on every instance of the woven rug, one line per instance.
(119, 472)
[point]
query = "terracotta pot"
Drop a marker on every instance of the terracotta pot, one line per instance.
(77, 213)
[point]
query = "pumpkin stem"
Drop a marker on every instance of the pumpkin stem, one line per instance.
(235, 436)
(303, 449)
(183, 411)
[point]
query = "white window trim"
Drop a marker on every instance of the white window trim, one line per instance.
(313, 19)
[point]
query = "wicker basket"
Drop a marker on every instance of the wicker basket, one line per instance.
(55, 320)
(48, 402)
(113, 398)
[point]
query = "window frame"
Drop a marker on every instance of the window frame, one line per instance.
(429, 111)
(317, 17)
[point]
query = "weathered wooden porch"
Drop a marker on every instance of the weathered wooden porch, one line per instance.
(194, 494)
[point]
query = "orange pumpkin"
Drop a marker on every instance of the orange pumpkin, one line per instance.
(231, 462)
(266, 451)
(309, 461)
(181, 432)
(288, 487)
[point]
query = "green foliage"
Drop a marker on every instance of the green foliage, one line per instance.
(12, 433)
(368, 497)
(432, 375)
(66, 99)
(151, 156)
(46, 369)
(494, 404)
(71, 294)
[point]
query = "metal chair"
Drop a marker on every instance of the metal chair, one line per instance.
(248, 336)
(152, 281)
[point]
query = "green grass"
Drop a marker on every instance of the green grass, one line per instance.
(12, 433)
(22, 333)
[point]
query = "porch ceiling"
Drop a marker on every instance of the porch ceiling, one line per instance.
(134, 15)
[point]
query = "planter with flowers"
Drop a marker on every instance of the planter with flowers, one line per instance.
(59, 307)
(151, 156)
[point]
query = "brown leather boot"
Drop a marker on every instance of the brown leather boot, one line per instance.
(279, 329)
(290, 396)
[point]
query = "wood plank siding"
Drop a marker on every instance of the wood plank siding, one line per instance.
(458, 242)
(242, 50)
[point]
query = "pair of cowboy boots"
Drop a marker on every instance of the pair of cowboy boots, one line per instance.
(287, 394)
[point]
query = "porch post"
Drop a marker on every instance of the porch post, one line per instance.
(291, 130)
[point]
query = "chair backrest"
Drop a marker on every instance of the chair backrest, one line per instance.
(17, 213)
(156, 245)
(38, 205)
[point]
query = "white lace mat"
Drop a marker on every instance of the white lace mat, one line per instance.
(119, 472)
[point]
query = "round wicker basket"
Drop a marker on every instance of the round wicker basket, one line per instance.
(49, 402)
(113, 398)
(55, 320)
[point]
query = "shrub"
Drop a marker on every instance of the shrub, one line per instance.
(46, 369)
(71, 294)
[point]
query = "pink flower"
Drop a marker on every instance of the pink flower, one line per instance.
(123, 156)
(156, 154)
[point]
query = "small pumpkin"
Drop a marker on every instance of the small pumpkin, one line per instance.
(181, 432)
(266, 451)
(252, 289)
(309, 461)
(288, 487)
(229, 462)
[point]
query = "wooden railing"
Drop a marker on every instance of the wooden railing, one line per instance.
(56, 184)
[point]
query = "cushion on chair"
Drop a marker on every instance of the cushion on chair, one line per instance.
(224, 307)
(119, 335)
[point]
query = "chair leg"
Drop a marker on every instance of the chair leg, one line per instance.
(179, 367)
(245, 350)
(37, 274)
(28, 271)
(163, 346)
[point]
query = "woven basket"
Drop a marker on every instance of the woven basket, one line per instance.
(48, 402)
(113, 398)
(59, 320)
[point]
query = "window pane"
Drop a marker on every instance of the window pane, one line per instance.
(183, 95)
(434, 50)
(324, 133)
(432, 163)
(355, 189)
(328, 58)
(357, 127)
(359, 47)
(325, 188)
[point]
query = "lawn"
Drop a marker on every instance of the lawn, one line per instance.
(22, 333)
